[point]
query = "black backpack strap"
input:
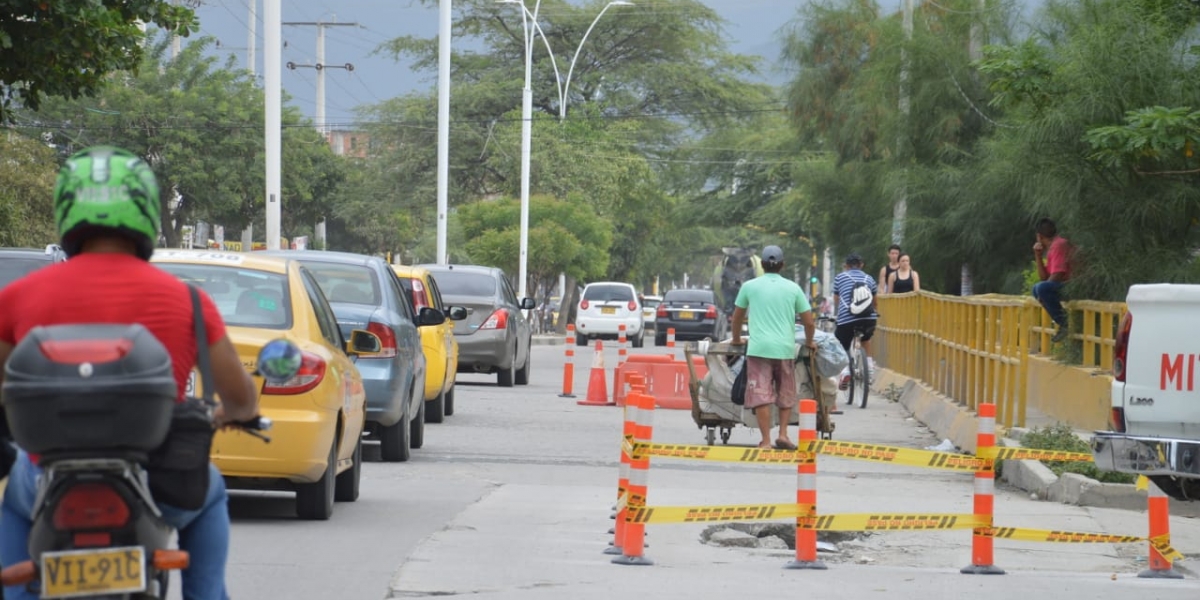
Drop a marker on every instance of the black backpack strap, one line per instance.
(203, 360)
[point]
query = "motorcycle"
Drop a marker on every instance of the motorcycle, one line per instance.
(93, 402)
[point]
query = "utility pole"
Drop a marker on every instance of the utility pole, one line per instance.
(900, 210)
(272, 72)
(443, 134)
(975, 53)
(175, 43)
(320, 66)
(251, 39)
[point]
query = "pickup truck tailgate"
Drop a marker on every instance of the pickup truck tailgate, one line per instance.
(1160, 394)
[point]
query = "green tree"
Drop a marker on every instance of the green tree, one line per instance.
(68, 48)
(201, 127)
(27, 174)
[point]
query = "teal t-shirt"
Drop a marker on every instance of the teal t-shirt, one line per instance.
(772, 303)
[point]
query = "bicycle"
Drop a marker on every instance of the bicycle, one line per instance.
(860, 372)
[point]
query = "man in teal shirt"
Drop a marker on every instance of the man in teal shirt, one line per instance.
(774, 303)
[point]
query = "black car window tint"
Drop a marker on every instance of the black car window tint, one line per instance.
(688, 296)
(326, 320)
(608, 293)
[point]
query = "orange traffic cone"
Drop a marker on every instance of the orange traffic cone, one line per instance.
(597, 394)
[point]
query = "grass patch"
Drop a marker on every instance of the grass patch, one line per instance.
(1060, 436)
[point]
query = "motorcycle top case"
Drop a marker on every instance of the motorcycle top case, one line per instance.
(71, 388)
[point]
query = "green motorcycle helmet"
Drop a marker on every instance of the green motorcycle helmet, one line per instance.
(106, 190)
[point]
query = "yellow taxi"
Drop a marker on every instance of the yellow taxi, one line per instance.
(318, 416)
(437, 342)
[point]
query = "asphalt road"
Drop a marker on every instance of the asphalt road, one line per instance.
(510, 498)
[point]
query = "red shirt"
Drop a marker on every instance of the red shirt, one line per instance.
(1058, 258)
(110, 289)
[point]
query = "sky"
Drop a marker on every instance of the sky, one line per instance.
(752, 27)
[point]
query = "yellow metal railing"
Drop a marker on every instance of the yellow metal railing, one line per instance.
(976, 349)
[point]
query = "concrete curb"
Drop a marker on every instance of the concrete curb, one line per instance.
(548, 340)
(951, 420)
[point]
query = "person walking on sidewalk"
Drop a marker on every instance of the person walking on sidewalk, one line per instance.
(1054, 272)
(774, 302)
(893, 264)
(904, 279)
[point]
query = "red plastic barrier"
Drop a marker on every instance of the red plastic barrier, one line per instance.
(666, 379)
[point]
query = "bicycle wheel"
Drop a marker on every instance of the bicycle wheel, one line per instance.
(850, 382)
(863, 376)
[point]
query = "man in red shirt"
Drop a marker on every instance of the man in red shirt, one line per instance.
(106, 205)
(1054, 272)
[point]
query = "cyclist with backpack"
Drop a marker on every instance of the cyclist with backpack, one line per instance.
(854, 302)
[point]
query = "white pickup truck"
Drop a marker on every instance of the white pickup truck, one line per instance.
(1155, 400)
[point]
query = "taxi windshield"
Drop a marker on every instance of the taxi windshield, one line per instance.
(244, 297)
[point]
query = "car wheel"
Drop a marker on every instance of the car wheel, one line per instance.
(435, 410)
(393, 441)
(523, 373)
(660, 340)
(314, 501)
(580, 339)
(346, 486)
(640, 340)
(450, 401)
(505, 377)
(416, 427)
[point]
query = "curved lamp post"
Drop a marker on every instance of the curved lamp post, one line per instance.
(529, 26)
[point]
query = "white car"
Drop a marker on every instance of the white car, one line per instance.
(605, 306)
(650, 310)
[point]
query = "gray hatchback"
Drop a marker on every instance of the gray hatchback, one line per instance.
(364, 293)
(495, 337)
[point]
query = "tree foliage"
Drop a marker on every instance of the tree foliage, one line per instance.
(68, 48)
(27, 173)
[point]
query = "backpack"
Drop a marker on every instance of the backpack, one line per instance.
(862, 301)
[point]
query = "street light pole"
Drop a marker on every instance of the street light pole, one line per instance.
(529, 25)
(272, 71)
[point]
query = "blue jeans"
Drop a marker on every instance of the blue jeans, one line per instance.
(1048, 293)
(203, 533)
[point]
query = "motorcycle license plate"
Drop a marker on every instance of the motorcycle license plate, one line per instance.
(608, 310)
(73, 573)
(686, 315)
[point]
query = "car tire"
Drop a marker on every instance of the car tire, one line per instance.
(416, 427)
(580, 340)
(450, 401)
(523, 373)
(435, 410)
(346, 486)
(640, 340)
(393, 442)
(660, 340)
(504, 378)
(314, 501)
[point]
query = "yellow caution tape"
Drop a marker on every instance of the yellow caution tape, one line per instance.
(1036, 454)
(901, 456)
(1161, 543)
(895, 522)
(718, 453)
(1143, 483)
(712, 514)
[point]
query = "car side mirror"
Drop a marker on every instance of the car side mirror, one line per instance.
(363, 343)
(430, 316)
(278, 361)
(457, 313)
(528, 303)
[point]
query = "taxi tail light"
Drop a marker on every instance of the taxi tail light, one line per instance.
(420, 296)
(1121, 348)
(583, 305)
(661, 312)
(497, 320)
(312, 371)
(632, 305)
(711, 312)
(90, 506)
(387, 337)
(1118, 419)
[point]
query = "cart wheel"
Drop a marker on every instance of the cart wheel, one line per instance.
(710, 436)
(725, 432)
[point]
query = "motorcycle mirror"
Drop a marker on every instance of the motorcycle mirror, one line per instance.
(279, 360)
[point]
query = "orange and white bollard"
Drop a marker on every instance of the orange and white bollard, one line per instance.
(985, 490)
(569, 365)
(636, 383)
(633, 542)
(1160, 528)
(622, 345)
(671, 337)
(806, 492)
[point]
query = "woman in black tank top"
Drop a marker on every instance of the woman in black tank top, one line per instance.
(904, 279)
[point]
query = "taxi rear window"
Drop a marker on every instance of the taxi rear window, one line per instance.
(349, 284)
(244, 297)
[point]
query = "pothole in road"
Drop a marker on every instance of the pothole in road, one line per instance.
(774, 536)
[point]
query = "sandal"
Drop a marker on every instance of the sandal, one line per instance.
(784, 445)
